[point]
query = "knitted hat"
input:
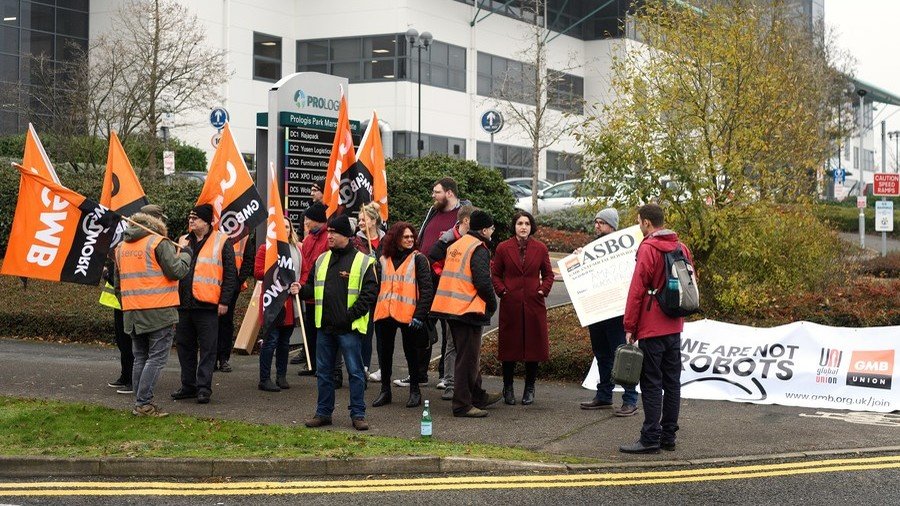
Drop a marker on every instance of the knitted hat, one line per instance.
(341, 225)
(610, 216)
(315, 187)
(204, 212)
(155, 211)
(316, 213)
(480, 220)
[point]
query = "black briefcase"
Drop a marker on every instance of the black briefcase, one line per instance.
(626, 370)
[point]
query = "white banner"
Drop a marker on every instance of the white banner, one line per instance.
(598, 278)
(800, 364)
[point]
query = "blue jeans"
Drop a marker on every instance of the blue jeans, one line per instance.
(151, 351)
(350, 346)
(606, 336)
(277, 343)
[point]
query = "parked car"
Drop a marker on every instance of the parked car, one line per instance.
(559, 196)
(522, 196)
(525, 182)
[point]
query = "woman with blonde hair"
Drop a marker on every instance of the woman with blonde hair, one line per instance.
(368, 240)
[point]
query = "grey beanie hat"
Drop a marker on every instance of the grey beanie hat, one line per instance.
(610, 216)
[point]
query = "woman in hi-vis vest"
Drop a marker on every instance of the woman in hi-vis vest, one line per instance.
(403, 303)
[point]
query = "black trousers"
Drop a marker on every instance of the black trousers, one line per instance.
(226, 333)
(509, 369)
(414, 341)
(123, 342)
(196, 335)
(467, 391)
(661, 388)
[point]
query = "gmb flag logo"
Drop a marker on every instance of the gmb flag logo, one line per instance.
(871, 369)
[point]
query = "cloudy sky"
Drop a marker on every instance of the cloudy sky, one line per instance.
(870, 30)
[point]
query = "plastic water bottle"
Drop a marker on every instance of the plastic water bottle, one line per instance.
(674, 286)
(426, 421)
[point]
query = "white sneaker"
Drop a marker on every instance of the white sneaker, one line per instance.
(441, 385)
(375, 376)
(402, 382)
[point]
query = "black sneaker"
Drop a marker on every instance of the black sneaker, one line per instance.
(181, 393)
(119, 383)
(125, 389)
(224, 366)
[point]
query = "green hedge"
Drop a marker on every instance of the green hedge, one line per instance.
(844, 216)
(410, 182)
(92, 151)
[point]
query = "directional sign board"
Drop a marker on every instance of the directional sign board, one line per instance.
(884, 216)
(886, 185)
(218, 117)
(492, 121)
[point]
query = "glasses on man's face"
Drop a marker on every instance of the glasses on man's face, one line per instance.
(409, 237)
(192, 218)
(599, 222)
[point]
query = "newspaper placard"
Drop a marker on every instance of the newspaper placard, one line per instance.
(800, 364)
(597, 279)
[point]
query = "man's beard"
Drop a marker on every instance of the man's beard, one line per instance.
(441, 205)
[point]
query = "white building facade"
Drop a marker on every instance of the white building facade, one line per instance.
(474, 43)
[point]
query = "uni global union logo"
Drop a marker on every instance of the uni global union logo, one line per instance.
(300, 99)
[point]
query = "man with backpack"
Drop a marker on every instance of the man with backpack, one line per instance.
(663, 282)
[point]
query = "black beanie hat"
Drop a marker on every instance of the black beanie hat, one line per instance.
(204, 212)
(316, 212)
(341, 225)
(480, 220)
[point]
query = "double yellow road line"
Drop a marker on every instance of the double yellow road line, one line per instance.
(96, 488)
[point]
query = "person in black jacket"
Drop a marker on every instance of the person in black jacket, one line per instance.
(344, 287)
(403, 303)
(203, 298)
(226, 321)
(465, 297)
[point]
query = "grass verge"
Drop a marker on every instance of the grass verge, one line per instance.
(62, 429)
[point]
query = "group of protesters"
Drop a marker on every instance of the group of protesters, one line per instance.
(362, 282)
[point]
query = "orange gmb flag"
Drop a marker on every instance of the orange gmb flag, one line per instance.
(122, 192)
(229, 188)
(280, 270)
(370, 163)
(342, 159)
(60, 236)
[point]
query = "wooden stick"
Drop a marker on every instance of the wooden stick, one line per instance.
(303, 332)
(129, 220)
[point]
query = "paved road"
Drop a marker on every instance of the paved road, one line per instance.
(851, 481)
(553, 424)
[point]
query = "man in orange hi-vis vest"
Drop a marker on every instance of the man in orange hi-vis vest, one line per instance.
(205, 294)
(465, 298)
(148, 268)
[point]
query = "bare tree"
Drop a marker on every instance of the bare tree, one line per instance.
(529, 92)
(155, 61)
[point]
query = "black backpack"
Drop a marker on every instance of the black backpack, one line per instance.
(679, 295)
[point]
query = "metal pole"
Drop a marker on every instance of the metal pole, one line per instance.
(419, 136)
(883, 146)
(492, 150)
(862, 175)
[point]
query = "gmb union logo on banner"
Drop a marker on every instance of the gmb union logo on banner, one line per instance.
(871, 369)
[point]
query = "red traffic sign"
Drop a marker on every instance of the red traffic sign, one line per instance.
(886, 185)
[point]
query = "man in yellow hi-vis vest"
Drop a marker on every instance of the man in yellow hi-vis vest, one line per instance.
(344, 287)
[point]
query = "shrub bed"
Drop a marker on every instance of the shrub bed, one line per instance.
(562, 241)
(64, 311)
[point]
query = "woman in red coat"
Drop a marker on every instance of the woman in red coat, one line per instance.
(522, 278)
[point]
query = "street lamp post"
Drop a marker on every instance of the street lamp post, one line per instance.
(862, 175)
(419, 41)
(896, 136)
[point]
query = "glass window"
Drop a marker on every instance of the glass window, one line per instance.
(72, 23)
(42, 17)
(70, 49)
(379, 69)
(381, 46)
(439, 53)
(320, 67)
(266, 57)
(9, 68)
(38, 43)
(345, 49)
(349, 70)
(9, 12)
(457, 57)
(9, 39)
(312, 51)
(78, 5)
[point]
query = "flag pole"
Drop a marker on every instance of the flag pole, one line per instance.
(299, 246)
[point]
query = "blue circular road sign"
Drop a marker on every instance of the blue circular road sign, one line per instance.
(218, 117)
(492, 121)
